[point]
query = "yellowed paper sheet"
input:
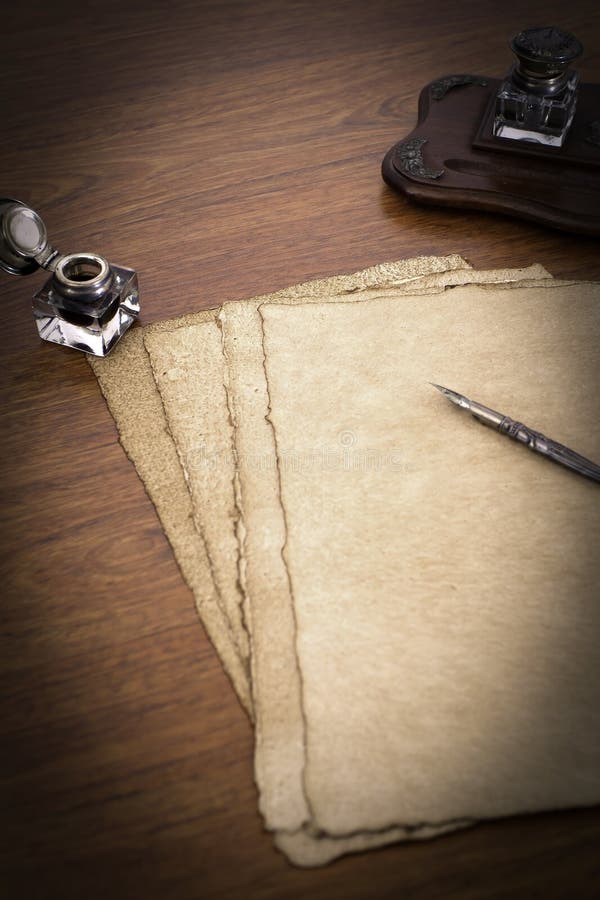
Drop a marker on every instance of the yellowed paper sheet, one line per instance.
(444, 578)
(125, 378)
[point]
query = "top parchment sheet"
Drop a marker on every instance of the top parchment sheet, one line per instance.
(444, 579)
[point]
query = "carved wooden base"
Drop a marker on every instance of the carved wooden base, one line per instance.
(452, 159)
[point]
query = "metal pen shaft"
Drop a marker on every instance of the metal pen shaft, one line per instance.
(525, 435)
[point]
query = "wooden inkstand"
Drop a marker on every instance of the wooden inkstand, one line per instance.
(527, 145)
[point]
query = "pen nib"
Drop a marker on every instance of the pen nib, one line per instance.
(458, 399)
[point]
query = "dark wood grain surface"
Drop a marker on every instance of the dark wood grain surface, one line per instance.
(223, 149)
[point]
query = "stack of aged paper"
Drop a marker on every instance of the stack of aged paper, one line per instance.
(406, 602)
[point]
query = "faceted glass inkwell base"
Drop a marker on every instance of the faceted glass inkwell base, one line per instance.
(526, 117)
(92, 328)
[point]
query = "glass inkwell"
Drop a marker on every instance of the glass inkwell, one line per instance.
(537, 100)
(87, 303)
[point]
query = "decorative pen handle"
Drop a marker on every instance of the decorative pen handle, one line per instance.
(547, 447)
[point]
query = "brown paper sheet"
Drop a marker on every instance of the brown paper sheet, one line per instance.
(126, 380)
(444, 579)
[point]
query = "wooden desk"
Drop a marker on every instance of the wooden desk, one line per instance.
(223, 149)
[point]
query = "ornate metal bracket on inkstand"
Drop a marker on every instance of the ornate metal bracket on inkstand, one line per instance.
(527, 145)
(87, 304)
